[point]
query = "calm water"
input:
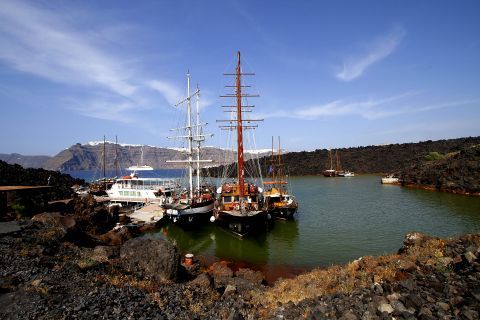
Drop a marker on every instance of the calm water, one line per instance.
(339, 219)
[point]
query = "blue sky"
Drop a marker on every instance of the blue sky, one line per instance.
(330, 74)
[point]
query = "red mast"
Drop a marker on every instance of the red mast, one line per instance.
(240, 163)
(238, 123)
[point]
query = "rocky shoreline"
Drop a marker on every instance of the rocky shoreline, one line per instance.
(69, 266)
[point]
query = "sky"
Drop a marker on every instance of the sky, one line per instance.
(330, 74)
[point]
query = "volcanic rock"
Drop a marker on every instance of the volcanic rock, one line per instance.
(157, 258)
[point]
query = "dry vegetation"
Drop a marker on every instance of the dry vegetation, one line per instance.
(359, 273)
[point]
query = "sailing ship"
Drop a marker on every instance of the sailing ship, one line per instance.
(239, 203)
(100, 186)
(194, 204)
(330, 172)
(278, 202)
(339, 172)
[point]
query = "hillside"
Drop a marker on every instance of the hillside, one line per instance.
(24, 161)
(457, 172)
(369, 159)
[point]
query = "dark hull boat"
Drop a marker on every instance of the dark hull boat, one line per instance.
(241, 214)
(189, 214)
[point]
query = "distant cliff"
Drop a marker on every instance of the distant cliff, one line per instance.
(24, 161)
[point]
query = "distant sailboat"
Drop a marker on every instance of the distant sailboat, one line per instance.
(141, 166)
(330, 172)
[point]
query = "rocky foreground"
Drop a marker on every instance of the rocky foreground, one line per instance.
(56, 266)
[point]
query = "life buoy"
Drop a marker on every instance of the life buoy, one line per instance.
(252, 188)
(227, 188)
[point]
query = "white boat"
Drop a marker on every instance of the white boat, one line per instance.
(348, 174)
(133, 189)
(390, 179)
(195, 203)
(140, 167)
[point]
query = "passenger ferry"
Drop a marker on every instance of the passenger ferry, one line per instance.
(133, 189)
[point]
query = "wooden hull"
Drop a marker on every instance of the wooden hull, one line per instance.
(189, 215)
(283, 213)
(329, 173)
(251, 222)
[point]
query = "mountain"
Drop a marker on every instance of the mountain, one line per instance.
(24, 161)
(89, 156)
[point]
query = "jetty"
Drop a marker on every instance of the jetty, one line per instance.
(150, 213)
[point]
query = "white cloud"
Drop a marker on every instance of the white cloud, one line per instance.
(35, 41)
(43, 40)
(171, 93)
(370, 109)
(354, 67)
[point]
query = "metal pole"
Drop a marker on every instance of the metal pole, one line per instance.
(190, 137)
(198, 140)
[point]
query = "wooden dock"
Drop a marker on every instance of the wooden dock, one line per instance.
(150, 213)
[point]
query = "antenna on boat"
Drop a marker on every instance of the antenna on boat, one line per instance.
(237, 124)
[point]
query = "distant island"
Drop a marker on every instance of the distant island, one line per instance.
(89, 156)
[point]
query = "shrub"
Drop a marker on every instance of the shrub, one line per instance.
(432, 156)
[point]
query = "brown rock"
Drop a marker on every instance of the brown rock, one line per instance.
(203, 280)
(444, 306)
(116, 237)
(406, 265)
(255, 277)
(230, 289)
(105, 253)
(220, 270)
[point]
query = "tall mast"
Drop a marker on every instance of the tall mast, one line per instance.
(190, 137)
(199, 141)
(273, 163)
(116, 157)
(337, 161)
(331, 159)
(279, 167)
(104, 161)
(240, 163)
(199, 136)
(104, 155)
(238, 122)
